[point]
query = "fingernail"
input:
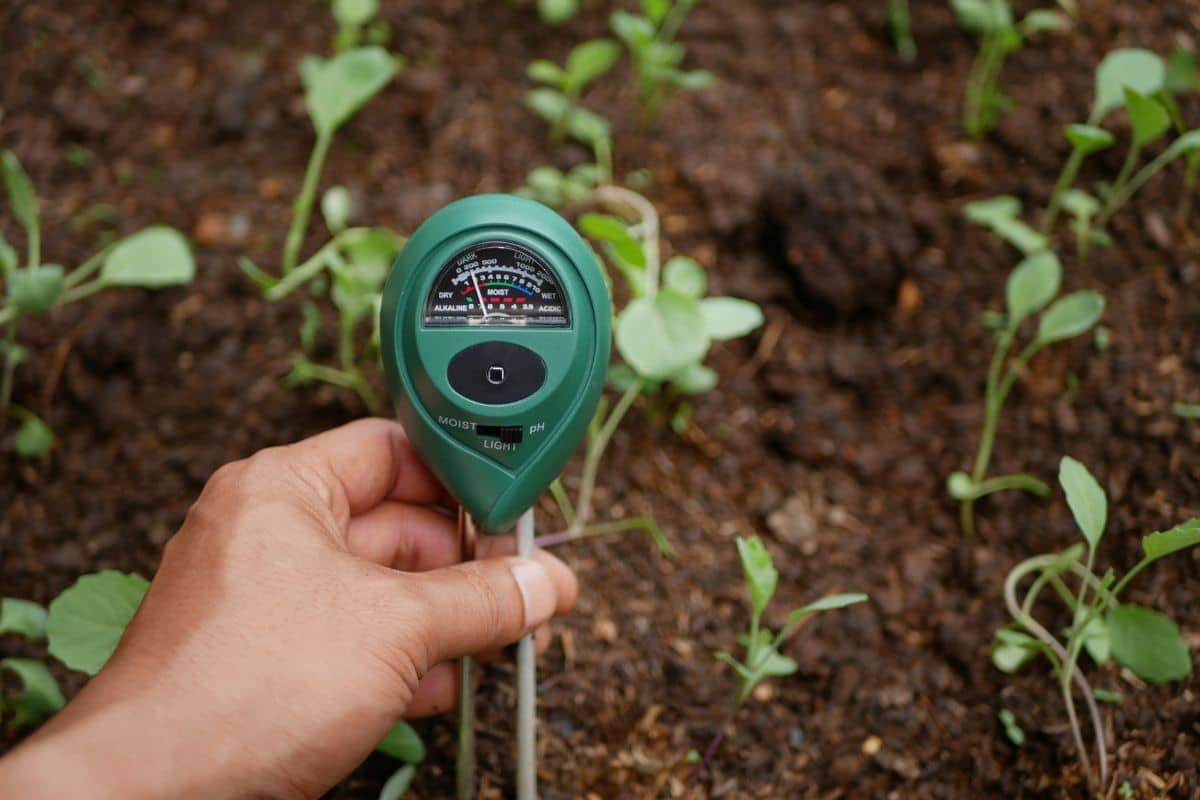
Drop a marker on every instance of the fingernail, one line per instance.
(537, 591)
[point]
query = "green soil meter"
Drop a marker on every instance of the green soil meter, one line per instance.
(495, 332)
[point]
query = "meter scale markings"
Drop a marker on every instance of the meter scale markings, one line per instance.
(496, 283)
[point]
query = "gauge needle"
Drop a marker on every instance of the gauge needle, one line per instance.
(479, 294)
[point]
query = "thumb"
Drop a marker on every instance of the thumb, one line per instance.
(481, 605)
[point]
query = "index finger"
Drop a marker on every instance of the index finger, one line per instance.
(366, 462)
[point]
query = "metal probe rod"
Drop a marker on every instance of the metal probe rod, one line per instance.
(526, 686)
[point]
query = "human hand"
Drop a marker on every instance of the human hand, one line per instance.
(311, 599)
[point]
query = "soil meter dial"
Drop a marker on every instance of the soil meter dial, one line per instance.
(495, 332)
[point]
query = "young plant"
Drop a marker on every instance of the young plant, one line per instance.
(82, 628)
(357, 24)
(557, 101)
(152, 258)
(1031, 287)
(1144, 640)
(1000, 36)
(556, 12)
(900, 21)
(650, 38)
(763, 648)
(351, 267)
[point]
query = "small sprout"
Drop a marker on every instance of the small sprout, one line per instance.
(1144, 640)
(657, 57)
(1012, 729)
(1029, 291)
(556, 12)
(557, 101)
(34, 438)
(1126, 790)
(1001, 215)
(355, 24)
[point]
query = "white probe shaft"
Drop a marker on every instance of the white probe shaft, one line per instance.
(526, 686)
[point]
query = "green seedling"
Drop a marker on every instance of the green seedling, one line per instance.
(152, 258)
(657, 57)
(349, 269)
(1031, 287)
(556, 12)
(557, 101)
(1002, 216)
(1000, 36)
(1186, 410)
(763, 648)
(1012, 728)
(900, 21)
(357, 24)
(1141, 639)
(82, 628)
(1138, 81)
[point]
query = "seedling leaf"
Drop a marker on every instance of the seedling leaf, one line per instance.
(22, 617)
(829, 603)
(21, 195)
(760, 573)
(590, 60)
(1012, 650)
(353, 13)
(40, 696)
(1149, 643)
(1042, 20)
(1136, 68)
(1070, 316)
(1164, 543)
(1089, 138)
(404, 743)
(730, 317)
(34, 290)
(778, 665)
(613, 231)
(1000, 215)
(336, 207)
(660, 337)
(686, 276)
(557, 11)
(340, 86)
(960, 486)
(1032, 285)
(154, 257)
(1086, 499)
(87, 620)
(34, 438)
(694, 379)
(398, 785)
(1095, 636)
(544, 71)
(738, 667)
(1146, 115)
(1012, 728)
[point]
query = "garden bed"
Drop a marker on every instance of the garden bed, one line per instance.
(831, 432)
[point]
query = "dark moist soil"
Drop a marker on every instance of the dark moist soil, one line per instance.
(822, 178)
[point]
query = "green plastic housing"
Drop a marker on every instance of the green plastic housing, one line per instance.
(495, 482)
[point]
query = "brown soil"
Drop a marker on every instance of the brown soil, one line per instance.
(831, 432)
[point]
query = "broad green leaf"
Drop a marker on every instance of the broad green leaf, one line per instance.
(355, 12)
(829, 603)
(1136, 68)
(1000, 215)
(1149, 643)
(34, 438)
(694, 379)
(590, 60)
(1146, 115)
(1095, 637)
(557, 11)
(87, 620)
(1032, 285)
(1070, 316)
(1089, 139)
(40, 696)
(777, 665)
(960, 486)
(544, 71)
(759, 571)
(398, 785)
(729, 317)
(587, 127)
(1012, 649)
(404, 743)
(153, 257)
(336, 207)
(340, 86)
(1086, 499)
(686, 276)
(660, 337)
(21, 196)
(1164, 543)
(22, 617)
(34, 290)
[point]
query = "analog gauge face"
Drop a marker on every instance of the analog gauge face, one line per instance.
(497, 283)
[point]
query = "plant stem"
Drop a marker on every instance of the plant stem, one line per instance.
(87, 268)
(464, 764)
(595, 450)
(302, 208)
(647, 217)
(10, 369)
(1066, 179)
(714, 744)
(80, 292)
(1189, 187)
(564, 503)
(987, 437)
(646, 524)
(900, 19)
(1118, 197)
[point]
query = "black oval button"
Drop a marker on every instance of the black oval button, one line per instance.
(473, 372)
